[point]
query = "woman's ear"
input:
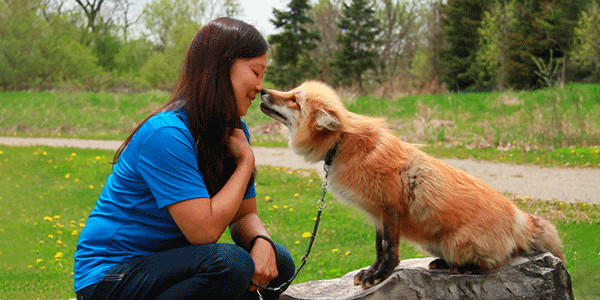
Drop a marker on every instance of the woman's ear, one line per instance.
(326, 120)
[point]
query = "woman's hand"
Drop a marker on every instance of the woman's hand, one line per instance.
(240, 148)
(265, 263)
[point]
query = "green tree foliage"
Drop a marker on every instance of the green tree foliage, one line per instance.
(359, 29)
(172, 23)
(293, 45)
(586, 49)
(541, 26)
(37, 52)
(499, 41)
(463, 19)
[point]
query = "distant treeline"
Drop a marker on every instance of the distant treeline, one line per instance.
(380, 47)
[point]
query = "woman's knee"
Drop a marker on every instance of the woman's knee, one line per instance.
(285, 262)
(235, 261)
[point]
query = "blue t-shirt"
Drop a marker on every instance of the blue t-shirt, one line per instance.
(158, 168)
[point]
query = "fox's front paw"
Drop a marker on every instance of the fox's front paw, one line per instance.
(372, 276)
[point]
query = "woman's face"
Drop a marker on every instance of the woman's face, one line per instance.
(246, 77)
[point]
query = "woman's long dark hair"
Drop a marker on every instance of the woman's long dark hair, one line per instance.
(205, 90)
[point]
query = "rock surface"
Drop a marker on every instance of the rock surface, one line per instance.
(534, 276)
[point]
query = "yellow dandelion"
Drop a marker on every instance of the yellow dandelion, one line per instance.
(41, 242)
(298, 242)
(1, 152)
(267, 198)
(47, 218)
(275, 206)
(597, 151)
(81, 224)
(68, 175)
(39, 260)
(73, 154)
(306, 234)
(57, 217)
(98, 157)
(91, 187)
(51, 236)
(347, 253)
(45, 153)
(335, 250)
(572, 151)
(285, 206)
(59, 242)
(43, 267)
(59, 232)
(296, 195)
(58, 255)
(291, 209)
(29, 266)
(74, 232)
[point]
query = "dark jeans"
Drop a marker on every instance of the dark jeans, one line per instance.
(194, 272)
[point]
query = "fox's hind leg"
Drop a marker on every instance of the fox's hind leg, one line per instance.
(386, 243)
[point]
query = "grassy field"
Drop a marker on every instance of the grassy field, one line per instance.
(556, 127)
(47, 194)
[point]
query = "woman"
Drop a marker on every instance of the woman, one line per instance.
(182, 177)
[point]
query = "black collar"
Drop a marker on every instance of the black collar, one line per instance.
(331, 154)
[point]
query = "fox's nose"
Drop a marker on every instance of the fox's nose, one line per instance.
(263, 92)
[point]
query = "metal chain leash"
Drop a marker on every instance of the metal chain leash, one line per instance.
(321, 205)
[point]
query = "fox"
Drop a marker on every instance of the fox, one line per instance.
(469, 226)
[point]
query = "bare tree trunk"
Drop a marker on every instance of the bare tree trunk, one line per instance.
(91, 9)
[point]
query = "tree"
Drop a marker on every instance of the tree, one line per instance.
(293, 45)
(359, 29)
(172, 24)
(498, 40)
(399, 41)
(325, 14)
(586, 49)
(463, 18)
(162, 16)
(40, 48)
(435, 42)
(92, 11)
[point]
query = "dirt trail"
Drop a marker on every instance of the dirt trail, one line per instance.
(566, 185)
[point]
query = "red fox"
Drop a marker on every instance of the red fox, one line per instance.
(407, 193)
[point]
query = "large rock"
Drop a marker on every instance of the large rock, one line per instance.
(534, 276)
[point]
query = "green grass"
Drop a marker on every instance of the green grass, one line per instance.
(542, 119)
(538, 127)
(47, 194)
(75, 115)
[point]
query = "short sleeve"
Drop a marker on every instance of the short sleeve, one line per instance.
(252, 190)
(168, 165)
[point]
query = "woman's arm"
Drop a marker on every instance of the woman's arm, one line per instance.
(245, 227)
(204, 220)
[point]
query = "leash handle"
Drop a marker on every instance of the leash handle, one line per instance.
(321, 205)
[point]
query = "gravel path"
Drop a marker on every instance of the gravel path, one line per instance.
(566, 185)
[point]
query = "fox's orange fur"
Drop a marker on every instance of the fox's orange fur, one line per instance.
(408, 193)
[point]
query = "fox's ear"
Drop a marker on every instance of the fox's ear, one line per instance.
(326, 120)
